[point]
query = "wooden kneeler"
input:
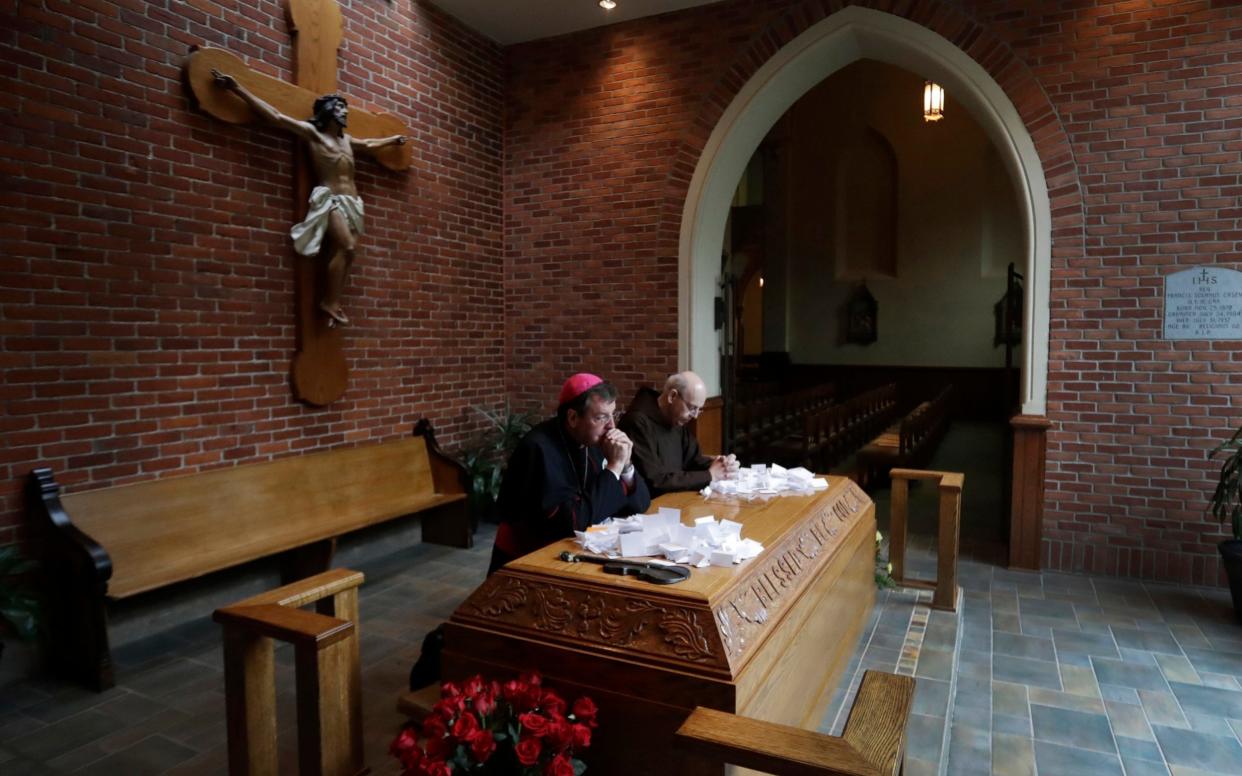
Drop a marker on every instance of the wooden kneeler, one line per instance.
(873, 743)
(328, 676)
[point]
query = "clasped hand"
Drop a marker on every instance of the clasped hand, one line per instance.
(616, 447)
(723, 467)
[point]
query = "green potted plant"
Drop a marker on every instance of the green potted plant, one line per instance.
(1227, 505)
(19, 608)
(485, 460)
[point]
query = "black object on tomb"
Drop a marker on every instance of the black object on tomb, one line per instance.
(655, 573)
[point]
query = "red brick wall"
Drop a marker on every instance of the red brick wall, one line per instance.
(146, 309)
(1133, 110)
(146, 304)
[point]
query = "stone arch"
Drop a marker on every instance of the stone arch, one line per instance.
(806, 45)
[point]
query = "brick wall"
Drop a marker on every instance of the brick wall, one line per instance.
(146, 308)
(1134, 111)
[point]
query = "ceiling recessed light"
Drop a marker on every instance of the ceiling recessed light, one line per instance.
(608, 5)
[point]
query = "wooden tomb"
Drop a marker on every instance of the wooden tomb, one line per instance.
(767, 639)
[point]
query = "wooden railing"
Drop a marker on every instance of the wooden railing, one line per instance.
(328, 676)
(949, 530)
(872, 744)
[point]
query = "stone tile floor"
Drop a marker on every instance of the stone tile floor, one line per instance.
(1051, 674)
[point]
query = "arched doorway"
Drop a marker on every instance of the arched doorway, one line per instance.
(842, 38)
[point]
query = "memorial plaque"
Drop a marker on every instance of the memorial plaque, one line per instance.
(1203, 304)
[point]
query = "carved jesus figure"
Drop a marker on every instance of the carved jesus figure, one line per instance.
(334, 218)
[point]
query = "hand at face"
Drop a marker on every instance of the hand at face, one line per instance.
(616, 447)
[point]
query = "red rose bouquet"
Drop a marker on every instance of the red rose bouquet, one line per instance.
(489, 727)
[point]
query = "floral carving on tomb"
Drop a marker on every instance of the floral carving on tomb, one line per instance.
(646, 626)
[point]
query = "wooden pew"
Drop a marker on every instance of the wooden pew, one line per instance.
(872, 744)
(118, 542)
(833, 433)
(908, 442)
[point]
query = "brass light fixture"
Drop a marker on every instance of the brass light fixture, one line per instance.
(933, 101)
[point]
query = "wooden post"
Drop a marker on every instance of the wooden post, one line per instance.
(898, 512)
(1027, 510)
(323, 709)
(250, 703)
(328, 676)
(949, 529)
(947, 548)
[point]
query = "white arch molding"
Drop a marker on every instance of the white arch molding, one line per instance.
(844, 37)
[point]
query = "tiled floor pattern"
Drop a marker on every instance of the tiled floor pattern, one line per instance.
(167, 713)
(1062, 674)
(1056, 674)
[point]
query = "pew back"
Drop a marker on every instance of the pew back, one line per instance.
(169, 530)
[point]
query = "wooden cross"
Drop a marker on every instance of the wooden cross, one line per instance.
(319, 373)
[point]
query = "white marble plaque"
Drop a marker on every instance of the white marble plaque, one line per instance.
(1203, 304)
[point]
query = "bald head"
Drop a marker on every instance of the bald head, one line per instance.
(682, 398)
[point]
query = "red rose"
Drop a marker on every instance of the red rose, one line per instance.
(436, 768)
(532, 678)
(552, 703)
(434, 727)
(582, 736)
(528, 750)
(527, 700)
(559, 735)
(512, 690)
(448, 690)
(405, 748)
(465, 726)
(473, 686)
(406, 740)
(482, 744)
(439, 748)
(559, 766)
(485, 703)
(585, 711)
(534, 723)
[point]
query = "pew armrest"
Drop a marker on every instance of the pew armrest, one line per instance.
(873, 743)
(876, 727)
(769, 747)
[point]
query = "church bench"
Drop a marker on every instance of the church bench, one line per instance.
(908, 442)
(831, 434)
(119, 542)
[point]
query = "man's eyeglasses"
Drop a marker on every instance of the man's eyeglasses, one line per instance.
(692, 409)
(604, 417)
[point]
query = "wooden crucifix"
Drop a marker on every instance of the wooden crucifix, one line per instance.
(326, 231)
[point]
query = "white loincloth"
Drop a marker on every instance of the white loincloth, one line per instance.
(308, 235)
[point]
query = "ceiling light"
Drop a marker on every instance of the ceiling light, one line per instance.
(608, 5)
(933, 101)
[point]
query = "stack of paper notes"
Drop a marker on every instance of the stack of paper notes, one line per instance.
(764, 481)
(708, 542)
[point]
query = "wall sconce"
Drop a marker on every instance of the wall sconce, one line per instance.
(933, 101)
(607, 5)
